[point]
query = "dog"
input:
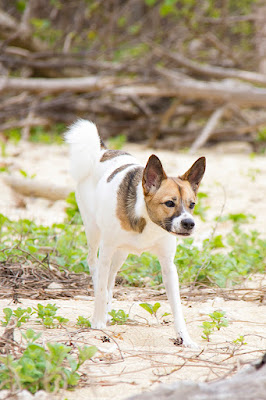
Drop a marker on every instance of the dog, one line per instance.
(127, 208)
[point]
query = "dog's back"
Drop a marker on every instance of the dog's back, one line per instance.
(89, 158)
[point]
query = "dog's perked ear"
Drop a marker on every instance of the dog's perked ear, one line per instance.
(153, 175)
(195, 174)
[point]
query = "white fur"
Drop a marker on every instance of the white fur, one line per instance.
(177, 222)
(84, 140)
(97, 200)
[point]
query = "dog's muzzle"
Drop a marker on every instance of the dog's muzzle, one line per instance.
(183, 225)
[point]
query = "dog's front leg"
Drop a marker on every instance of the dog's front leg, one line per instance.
(99, 318)
(171, 283)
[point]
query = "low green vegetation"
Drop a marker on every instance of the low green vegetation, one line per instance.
(47, 316)
(118, 317)
(19, 315)
(39, 367)
(221, 259)
(83, 322)
(151, 309)
(218, 320)
(240, 341)
(38, 134)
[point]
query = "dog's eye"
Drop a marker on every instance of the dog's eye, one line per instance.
(169, 203)
(192, 205)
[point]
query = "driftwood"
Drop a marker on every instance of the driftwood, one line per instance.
(54, 85)
(208, 129)
(243, 95)
(31, 187)
(248, 384)
(212, 71)
(187, 88)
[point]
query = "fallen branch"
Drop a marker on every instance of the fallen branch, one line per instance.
(208, 129)
(34, 188)
(34, 121)
(219, 91)
(55, 85)
(212, 71)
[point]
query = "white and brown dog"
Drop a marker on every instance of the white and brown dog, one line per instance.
(127, 208)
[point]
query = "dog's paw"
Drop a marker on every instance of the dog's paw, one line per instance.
(98, 324)
(190, 344)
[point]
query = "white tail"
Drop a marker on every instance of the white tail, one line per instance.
(85, 148)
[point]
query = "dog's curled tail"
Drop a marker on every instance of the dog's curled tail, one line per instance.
(85, 148)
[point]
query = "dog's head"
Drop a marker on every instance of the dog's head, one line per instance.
(170, 201)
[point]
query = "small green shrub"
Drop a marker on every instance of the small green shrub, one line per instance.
(47, 315)
(83, 322)
(118, 317)
(152, 309)
(20, 315)
(218, 320)
(42, 368)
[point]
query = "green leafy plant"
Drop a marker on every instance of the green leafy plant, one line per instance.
(83, 322)
(219, 319)
(26, 175)
(39, 134)
(207, 330)
(20, 315)
(3, 148)
(240, 340)
(43, 368)
(201, 208)
(118, 317)
(117, 142)
(72, 210)
(151, 309)
(47, 315)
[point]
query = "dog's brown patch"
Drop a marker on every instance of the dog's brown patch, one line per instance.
(117, 170)
(109, 154)
(126, 201)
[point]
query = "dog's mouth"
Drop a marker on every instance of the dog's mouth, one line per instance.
(181, 233)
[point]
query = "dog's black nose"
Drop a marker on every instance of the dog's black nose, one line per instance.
(188, 223)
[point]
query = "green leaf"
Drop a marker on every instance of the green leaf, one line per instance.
(155, 307)
(8, 314)
(86, 353)
(23, 173)
(148, 307)
(72, 362)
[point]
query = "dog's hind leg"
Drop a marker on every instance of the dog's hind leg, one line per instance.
(99, 318)
(166, 253)
(92, 259)
(117, 261)
(92, 234)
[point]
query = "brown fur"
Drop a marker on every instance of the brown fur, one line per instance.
(126, 200)
(117, 170)
(109, 154)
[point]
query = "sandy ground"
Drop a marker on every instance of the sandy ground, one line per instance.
(141, 354)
